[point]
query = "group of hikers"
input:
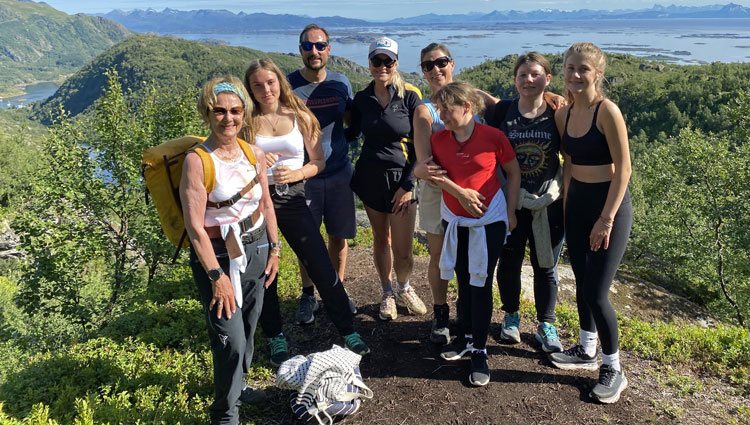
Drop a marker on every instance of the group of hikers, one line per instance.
(491, 180)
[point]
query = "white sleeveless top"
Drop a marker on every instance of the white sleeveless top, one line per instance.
(231, 177)
(290, 148)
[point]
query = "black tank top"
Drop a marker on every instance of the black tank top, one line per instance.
(589, 149)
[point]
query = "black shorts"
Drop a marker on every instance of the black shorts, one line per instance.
(375, 184)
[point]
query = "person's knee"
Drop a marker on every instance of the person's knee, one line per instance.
(336, 244)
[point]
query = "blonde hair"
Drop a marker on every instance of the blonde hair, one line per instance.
(287, 98)
(459, 93)
(397, 81)
(207, 99)
(593, 54)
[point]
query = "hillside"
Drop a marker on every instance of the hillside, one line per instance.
(38, 42)
(168, 62)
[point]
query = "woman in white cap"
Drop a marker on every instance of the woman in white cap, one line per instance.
(384, 112)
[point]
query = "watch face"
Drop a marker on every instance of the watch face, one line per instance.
(214, 274)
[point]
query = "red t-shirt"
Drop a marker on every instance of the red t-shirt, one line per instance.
(473, 163)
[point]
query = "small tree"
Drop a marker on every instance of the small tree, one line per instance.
(87, 226)
(697, 223)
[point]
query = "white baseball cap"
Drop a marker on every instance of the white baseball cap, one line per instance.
(384, 45)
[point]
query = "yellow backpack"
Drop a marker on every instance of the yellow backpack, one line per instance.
(162, 170)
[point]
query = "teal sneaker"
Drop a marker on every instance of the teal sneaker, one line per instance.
(546, 336)
(509, 330)
(279, 349)
(355, 343)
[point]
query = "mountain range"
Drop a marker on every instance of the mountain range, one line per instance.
(172, 21)
(38, 42)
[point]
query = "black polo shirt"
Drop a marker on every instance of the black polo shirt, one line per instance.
(387, 131)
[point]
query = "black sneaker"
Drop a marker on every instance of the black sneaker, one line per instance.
(308, 305)
(440, 334)
(574, 358)
(252, 396)
(480, 370)
(459, 349)
(611, 384)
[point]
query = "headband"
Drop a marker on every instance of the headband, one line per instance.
(229, 87)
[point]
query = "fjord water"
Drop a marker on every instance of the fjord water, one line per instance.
(682, 41)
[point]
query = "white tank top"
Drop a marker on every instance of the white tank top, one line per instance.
(290, 148)
(231, 177)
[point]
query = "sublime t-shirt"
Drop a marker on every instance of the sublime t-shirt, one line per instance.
(536, 142)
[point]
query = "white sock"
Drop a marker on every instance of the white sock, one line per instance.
(403, 286)
(468, 337)
(588, 342)
(612, 360)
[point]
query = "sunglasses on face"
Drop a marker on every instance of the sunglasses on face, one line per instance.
(308, 45)
(377, 62)
(220, 112)
(440, 62)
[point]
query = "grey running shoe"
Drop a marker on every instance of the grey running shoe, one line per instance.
(279, 350)
(509, 330)
(546, 336)
(480, 370)
(574, 358)
(308, 305)
(252, 396)
(354, 343)
(440, 334)
(387, 309)
(611, 384)
(459, 349)
(409, 299)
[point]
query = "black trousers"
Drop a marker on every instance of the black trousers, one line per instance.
(545, 278)
(474, 303)
(594, 271)
(303, 236)
(232, 339)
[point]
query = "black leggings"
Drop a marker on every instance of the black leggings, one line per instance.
(475, 303)
(545, 278)
(594, 271)
(298, 227)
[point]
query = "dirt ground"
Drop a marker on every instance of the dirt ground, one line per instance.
(412, 385)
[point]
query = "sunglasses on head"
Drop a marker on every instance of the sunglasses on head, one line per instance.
(440, 62)
(308, 45)
(220, 112)
(377, 62)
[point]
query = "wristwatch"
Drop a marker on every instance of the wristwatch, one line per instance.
(215, 274)
(273, 245)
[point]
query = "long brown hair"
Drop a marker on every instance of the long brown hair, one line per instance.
(287, 98)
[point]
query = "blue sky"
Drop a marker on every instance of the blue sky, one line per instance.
(365, 9)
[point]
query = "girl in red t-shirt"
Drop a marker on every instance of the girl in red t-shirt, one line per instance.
(475, 226)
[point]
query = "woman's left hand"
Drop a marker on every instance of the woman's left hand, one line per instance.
(599, 237)
(512, 221)
(283, 174)
(401, 201)
(272, 268)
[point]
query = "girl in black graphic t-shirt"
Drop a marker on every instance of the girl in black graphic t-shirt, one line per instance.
(529, 124)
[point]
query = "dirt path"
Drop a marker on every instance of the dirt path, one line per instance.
(413, 386)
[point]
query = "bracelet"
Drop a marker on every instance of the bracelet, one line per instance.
(302, 170)
(276, 252)
(606, 222)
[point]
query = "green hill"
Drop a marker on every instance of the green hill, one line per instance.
(38, 42)
(170, 63)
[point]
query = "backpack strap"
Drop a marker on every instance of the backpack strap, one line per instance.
(209, 173)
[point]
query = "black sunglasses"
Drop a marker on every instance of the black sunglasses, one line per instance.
(440, 62)
(377, 62)
(308, 45)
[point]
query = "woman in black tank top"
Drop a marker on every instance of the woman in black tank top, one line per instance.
(598, 213)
